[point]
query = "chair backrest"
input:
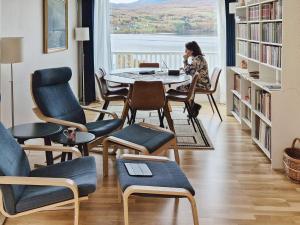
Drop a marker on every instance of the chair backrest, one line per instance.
(147, 95)
(192, 87)
(102, 85)
(149, 65)
(214, 79)
(13, 162)
(53, 95)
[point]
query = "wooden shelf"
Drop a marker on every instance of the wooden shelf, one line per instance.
(271, 21)
(264, 150)
(236, 116)
(263, 117)
(247, 103)
(247, 122)
(237, 94)
(271, 66)
(270, 43)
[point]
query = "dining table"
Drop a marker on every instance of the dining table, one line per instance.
(130, 75)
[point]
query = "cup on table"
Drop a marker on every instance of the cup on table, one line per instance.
(70, 134)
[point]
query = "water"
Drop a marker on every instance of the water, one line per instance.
(160, 42)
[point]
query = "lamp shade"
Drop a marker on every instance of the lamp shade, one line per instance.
(82, 34)
(11, 50)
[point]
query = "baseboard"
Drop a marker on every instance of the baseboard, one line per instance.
(2, 219)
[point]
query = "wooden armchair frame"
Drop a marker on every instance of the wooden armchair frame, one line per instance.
(79, 126)
(120, 143)
(152, 190)
(45, 181)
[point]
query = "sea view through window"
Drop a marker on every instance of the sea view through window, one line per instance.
(157, 30)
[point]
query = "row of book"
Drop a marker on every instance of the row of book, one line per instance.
(271, 55)
(243, 48)
(263, 103)
(272, 10)
(263, 133)
(242, 31)
(253, 13)
(254, 51)
(250, 2)
(248, 114)
(237, 83)
(254, 31)
(272, 32)
(236, 105)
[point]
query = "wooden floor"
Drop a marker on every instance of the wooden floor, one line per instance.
(234, 186)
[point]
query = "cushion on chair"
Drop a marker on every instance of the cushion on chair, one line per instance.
(82, 171)
(13, 162)
(54, 96)
(165, 174)
(103, 127)
(149, 138)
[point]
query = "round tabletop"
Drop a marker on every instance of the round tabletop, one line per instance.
(127, 77)
(35, 130)
(81, 138)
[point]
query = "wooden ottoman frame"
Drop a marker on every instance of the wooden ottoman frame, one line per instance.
(120, 143)
(154, 190)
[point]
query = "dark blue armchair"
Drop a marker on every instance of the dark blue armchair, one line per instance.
(24, 191)
(56, 103)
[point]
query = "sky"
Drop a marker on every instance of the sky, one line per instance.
(123, 1)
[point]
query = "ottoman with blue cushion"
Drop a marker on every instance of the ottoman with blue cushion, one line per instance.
(167, 180)
(142, 137)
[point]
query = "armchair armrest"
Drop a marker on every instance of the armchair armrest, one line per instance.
(144, 157)
(41, 116)
(41, 181)
(52, 149)
(114, 115)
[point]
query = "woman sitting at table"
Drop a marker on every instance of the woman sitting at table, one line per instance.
(195, 64)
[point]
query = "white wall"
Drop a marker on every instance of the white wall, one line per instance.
(25, 18)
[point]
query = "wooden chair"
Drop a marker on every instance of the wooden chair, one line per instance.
(164, 183)
(147, 96)
(187, 98)
(144, 138)
(117, 93)
(214, 84)
(149, 65)
(59, 186)
(56, 103)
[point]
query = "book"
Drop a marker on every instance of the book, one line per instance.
(272, 32)
(263, 133)
(272, 10)
(271, 55)
(263, 103)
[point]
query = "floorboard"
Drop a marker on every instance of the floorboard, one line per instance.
(234, 185)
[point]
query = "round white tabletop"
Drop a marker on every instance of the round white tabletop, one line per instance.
(129, 76)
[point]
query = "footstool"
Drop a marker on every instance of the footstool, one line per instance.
(168, 180)
(142, 137)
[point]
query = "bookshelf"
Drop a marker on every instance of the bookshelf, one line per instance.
(264, 97)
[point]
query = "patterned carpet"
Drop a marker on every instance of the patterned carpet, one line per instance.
(187, 138)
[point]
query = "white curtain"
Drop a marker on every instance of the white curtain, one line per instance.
(102, 43)
(222, 48)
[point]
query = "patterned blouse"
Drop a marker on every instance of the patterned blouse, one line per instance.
(198, 66)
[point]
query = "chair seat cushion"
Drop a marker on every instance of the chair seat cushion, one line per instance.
(103, 127)
(165, 174)
(176, 95)
(82, 171)
(149, 138)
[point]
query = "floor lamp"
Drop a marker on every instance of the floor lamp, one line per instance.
(82, 34)
(11, 53)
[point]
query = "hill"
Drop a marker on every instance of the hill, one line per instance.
(165, 16)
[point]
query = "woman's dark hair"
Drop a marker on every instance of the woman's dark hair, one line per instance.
(193, 46)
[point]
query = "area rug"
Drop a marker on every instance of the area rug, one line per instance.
(187, 138)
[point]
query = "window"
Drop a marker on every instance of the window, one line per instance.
(157, 30)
